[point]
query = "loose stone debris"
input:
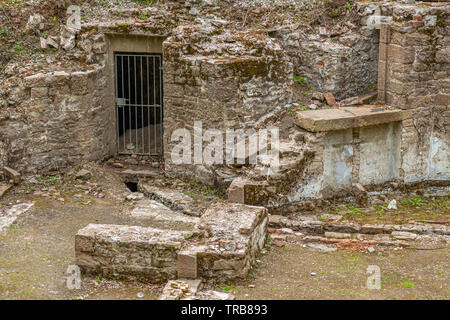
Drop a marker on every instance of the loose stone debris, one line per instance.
(392, 205)
(321, 247)
(8, 216)
(180, 289)
(12, 175)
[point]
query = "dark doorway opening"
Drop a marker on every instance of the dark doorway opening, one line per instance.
(139, 107)
(132, 186)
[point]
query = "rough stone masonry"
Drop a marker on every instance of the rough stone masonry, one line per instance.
(57, 111)
(223, 245)
(229, 76)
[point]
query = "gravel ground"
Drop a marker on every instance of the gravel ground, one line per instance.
(294, 272)
(39, 246)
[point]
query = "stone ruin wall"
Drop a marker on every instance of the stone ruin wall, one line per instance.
(56, 120)
(201, 84)
(233, 93)
(414, 75)
(198, 84)
(331, 64)
(61, 119)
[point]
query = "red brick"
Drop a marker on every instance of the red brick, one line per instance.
(330, 98)
(187, 265)
(415, 24)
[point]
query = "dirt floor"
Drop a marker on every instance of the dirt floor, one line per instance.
(294, 272)
(410, 208)
(38, 248)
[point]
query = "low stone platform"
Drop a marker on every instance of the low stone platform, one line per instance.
(347, 117)
(129, 250)
(223, 244)
(314, 226)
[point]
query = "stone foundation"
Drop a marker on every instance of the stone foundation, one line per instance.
(127, 250)
(224, 245)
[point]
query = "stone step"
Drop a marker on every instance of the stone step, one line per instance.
(174, 199)
(157, 212)
(129, 250)
(9, 215)
(320, 227)
(137, 173)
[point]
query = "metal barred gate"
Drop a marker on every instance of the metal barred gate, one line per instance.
(139, 110)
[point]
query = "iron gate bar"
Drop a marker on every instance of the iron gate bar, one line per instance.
(148, 101)
(154, 98)
(116, 63)
(142, 108)
(161, 111)
(145, 84)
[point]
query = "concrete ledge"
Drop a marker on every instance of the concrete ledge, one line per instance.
(347, 117)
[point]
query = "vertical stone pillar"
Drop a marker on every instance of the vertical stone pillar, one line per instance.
(382, 61)
(356, 155)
